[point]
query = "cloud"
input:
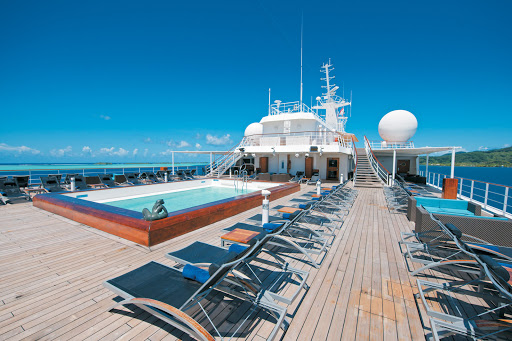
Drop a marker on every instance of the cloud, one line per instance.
(4, 147)
(218, 141)
(112, 151)
(483, 148)
(105, 117)
(183, 144)
(166, 153)
(506, 145)
(147, 140)
(135, 151)
(198, 146)
(61, 152)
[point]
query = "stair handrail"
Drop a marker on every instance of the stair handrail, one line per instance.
(354, 156)
(226, 158)
(377, 167)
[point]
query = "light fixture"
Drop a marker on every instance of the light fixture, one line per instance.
(273, 151)
(245, 155)
(253, 155)
(296, 154)
(306, 155)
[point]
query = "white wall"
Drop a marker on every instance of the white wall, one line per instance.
(387, 162)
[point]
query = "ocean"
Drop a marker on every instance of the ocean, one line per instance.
(497, 177)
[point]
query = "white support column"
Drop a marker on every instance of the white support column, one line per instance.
(452, 173)
(426, 169)
(394, 167)
(172, 155)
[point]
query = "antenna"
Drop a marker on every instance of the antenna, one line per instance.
(301, 39)
(350, 103)
(268, 101)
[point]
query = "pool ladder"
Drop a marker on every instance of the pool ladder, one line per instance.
(241, 180)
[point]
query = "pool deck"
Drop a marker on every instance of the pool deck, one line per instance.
(52, 271)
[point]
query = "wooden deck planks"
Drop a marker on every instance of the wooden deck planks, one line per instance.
(53, 270)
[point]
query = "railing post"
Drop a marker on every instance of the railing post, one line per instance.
(505, 201)
(460, 187)
(472, 188)
(438, 179)
(486, 194)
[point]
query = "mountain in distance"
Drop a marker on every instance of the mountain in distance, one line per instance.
(491, 158)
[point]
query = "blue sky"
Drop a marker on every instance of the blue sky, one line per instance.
(119, 81)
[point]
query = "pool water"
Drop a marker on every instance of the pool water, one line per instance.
(176, 201)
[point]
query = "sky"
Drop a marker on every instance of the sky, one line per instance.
(130, 81)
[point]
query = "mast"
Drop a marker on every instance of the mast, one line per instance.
(301, 39)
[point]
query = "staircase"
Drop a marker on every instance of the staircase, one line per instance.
(365, 176)
(223, 163)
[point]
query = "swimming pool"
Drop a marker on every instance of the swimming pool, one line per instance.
(191, 205)
(179, 200)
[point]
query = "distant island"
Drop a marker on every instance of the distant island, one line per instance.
(492, 158)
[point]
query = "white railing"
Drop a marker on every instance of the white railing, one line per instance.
(354, 157)
(492, 197)
(34, 175)
(314, 138)
(291, 108)
(378, 168)
(377, 145)
(224, 161)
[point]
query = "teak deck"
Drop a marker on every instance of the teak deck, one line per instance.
(52, 271)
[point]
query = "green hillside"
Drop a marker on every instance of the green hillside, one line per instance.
(491, 158)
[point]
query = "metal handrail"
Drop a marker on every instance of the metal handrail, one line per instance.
(323, 138)
(378, 168)
(489, 197)
(355, 157)
(390, 145)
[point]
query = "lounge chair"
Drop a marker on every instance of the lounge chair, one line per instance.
(492, 284)
(9, 190)
(149, 177)
(314, 178)
(22, 181)
(79, 181)
(57, 176)
(193, 174)
(188, 174)
(122, 180)
(169, 293)
(133, 178)
(202, 253)
(182, 175)
(51, 184)
(284, 234)
(298, 177)
(107, 180)
(94, 182)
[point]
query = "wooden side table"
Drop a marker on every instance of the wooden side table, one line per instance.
(238, 236)
(289, 209)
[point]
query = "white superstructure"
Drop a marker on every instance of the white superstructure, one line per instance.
(294, 137)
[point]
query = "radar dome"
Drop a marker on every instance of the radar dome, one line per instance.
(254, 129)
(398, 126)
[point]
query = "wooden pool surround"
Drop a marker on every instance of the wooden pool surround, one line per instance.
(130, 225)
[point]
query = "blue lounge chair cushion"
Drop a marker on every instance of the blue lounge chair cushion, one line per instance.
(237, 248)
(316, 198)
(453, 204)
(427, 202)
(196, 274)
(271, 226)
(287, 215)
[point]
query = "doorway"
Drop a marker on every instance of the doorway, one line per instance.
(264, 164)
(333, 165)
(308, 167)
(404, 166)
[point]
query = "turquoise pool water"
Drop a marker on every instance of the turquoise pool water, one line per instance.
(176, 201)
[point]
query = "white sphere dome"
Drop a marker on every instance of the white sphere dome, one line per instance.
(254, 129)
(398, 126)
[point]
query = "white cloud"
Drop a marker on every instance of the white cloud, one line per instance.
(506, 145)
(135, 151)
(483, 148)
(4, 147)
(113, 152)
(170, 143)
(147, 140)
(105, 117)
(166, 153)
(183, 144)
(61, 152)
(217, 141)
(198, 146)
